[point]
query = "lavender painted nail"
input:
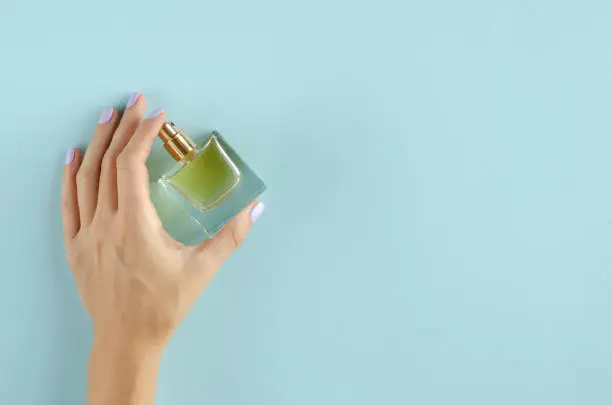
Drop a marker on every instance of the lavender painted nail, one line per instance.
(155, 113)
(257, 211)
(106, 115)
(69, 156)
(133, 99)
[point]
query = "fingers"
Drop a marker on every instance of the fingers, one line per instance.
(132, 175)
(218, 249)
(88, 175)
(131, 119)
(70, 206)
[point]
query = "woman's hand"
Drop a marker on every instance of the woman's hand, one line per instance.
(135, 281)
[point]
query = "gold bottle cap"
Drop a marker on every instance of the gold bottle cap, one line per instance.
(176, 142)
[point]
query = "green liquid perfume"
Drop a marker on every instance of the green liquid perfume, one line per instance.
(207, 177)
(210, 182)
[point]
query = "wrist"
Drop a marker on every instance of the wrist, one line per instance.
(125, 346)
(122, 370)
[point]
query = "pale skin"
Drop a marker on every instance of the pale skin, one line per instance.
(134, 280)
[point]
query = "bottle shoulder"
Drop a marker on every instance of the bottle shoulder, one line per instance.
(211, 141)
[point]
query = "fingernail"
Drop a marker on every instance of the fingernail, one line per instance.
(257, 211)
(106, 115)
(155, 113)
(133, 99)
(69, 156)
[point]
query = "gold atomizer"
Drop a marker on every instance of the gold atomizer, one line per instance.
(176, 142)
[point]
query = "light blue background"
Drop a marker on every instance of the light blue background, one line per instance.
(439, 222)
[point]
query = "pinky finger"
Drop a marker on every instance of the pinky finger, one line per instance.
(70, 206)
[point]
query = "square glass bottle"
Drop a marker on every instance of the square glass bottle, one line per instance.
(209, 182)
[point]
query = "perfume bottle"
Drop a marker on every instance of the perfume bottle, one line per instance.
(210, 182)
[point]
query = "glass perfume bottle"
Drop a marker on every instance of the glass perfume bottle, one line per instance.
(210, 181)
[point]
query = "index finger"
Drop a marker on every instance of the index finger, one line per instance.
(132, 175)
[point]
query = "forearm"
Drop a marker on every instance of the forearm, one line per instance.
(121, 372)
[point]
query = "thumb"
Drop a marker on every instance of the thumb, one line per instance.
(224, 244)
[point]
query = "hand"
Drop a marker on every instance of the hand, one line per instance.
(134, 280)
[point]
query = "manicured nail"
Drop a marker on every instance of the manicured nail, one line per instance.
(133, 99)
(106, 115)
(257, 211)
(69, 156)
(155, 113)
